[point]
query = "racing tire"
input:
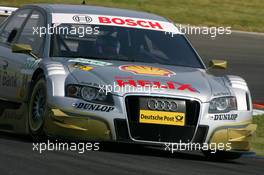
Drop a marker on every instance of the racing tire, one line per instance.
(222, 155)
(38, 109)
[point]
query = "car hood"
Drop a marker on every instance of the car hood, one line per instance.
(168, 80)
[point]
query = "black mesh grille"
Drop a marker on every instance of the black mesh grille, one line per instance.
(121, 130)
(201, 134)
(161, 133)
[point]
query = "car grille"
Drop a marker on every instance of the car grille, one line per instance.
(158, 132)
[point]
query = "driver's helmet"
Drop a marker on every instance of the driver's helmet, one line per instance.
(107, 45)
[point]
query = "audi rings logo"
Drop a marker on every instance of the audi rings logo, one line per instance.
(82, 18)
(162, 105)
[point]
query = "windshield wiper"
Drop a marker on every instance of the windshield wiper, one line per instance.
(90, 57)
(113, 58)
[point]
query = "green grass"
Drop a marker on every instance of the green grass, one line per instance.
(239, 14)
(258, 141)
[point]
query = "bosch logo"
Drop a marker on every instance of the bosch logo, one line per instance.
(82, 19)
(130, 22)
(162, 105)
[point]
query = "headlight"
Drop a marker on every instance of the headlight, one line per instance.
(223, 105)
(87, 93)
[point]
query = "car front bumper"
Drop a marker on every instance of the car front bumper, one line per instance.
(66, 122)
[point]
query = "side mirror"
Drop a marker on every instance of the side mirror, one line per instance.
(218, 64)
(21, 48)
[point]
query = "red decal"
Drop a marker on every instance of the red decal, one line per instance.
(122, 83)
(118, 21)
(155, 25)
(186, 87)
(142, 24)
(130, 22)
(147, 83)
(104, 20)
(171, 85)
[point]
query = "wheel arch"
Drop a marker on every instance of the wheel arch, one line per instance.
(35, 75)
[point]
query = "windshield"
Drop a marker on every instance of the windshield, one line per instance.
(126, 44)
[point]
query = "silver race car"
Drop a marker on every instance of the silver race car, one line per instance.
(105, 74)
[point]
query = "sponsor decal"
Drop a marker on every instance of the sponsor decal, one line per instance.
(162, 117)
(130, 22)
(82, 18)
(90, 62)
(91, 19)
(229, 117)
(147, 83)
(86, 68)
(93, 107)
(147, 70)
(30, 65)
(22, 90)
(83, 67)
(8, 80)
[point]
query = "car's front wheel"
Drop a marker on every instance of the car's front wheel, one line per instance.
(38, 108)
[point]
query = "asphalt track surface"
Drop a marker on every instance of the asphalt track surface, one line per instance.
(245, 54)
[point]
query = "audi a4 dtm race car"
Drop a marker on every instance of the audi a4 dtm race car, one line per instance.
(97, 73)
